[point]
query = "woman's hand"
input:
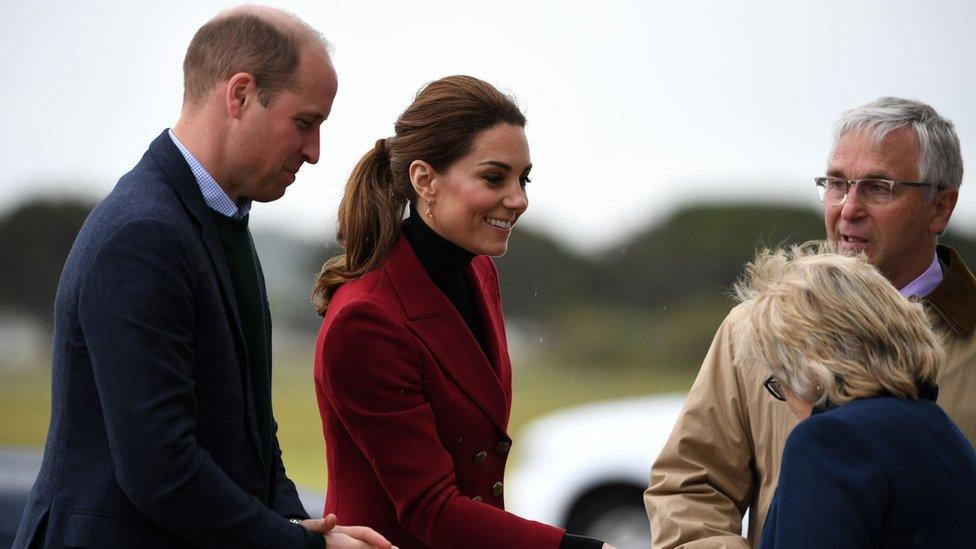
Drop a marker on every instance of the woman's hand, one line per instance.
(608, 546)
(356, 537)
(346, 537)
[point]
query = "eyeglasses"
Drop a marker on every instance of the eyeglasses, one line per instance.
(833, 191)
(774, 388)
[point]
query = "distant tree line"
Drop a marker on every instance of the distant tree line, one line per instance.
(652, 301)
(655, 300)
(34, 242)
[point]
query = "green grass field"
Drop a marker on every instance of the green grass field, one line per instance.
(539, 389)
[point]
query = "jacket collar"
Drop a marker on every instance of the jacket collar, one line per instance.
(438, 325)
(173, 165)
(954, 299)
(178, 173)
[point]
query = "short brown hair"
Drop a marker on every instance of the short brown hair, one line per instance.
(241, 42)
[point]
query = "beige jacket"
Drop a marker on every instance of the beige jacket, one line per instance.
(724, 453)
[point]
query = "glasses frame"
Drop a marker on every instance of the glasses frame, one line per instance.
(772, 387)
(821, 183)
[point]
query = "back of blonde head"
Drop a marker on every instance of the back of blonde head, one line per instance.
(832, 328)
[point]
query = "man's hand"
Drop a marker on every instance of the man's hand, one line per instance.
(320, 526)
(343, 537)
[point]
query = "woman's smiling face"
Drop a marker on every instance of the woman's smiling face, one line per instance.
(477, 200)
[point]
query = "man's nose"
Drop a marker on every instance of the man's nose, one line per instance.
(310, 147)
(852, 206)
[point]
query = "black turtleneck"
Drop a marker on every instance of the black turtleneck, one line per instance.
(446, 263)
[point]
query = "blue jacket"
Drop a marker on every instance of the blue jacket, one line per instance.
(153, 439)
(879, 472)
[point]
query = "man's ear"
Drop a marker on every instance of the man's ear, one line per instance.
(422, 177)
(239, 92)
(942, 206)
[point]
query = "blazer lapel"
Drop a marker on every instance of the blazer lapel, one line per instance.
(489, 306)
(169, 158)
(438, 325)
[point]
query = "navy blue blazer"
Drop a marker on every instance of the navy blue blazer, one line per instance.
(879, 472)
(153, 439)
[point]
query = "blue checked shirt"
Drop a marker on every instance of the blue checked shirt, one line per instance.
(213, 195)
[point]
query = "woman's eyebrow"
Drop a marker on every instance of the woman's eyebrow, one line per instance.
(497, 164)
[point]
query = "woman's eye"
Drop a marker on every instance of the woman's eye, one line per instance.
(302, 124)
(494, 178)
(525, 180)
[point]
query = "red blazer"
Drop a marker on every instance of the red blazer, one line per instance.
(415, 418)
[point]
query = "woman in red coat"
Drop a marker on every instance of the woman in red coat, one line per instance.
(412, 372)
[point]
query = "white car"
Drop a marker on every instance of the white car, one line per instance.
(586, 468)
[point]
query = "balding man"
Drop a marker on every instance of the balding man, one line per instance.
(162, 432)
(890, 188)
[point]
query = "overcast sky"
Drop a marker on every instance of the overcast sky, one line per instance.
(634, 108)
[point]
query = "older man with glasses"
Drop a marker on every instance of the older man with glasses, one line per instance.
(891, 185)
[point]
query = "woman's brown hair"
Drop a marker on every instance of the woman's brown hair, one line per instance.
(438, 128)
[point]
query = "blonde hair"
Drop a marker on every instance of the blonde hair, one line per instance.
(832, 328)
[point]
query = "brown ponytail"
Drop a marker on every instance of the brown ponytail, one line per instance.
(438, 127)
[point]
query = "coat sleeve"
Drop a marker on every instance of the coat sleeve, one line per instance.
(373, 377)
(286, 501)
(702, 482)
(832, 490)
(136, 309)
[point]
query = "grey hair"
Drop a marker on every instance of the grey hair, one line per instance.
(940, 161)
(832, 328)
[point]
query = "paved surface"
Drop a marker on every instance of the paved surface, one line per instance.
(18, 467)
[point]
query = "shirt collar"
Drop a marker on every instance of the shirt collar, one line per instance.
(213, 194)
(926, 282)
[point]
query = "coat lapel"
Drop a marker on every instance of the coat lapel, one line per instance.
(438, 325)
(489, 307)
(169, 158)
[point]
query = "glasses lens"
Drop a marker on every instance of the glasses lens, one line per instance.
(874, 192)
(774, 389)
(831, 190)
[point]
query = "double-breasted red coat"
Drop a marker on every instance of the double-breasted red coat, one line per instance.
(415, 416)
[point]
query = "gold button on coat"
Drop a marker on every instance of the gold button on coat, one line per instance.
(497, 489)
(503, 447)
(480, 457)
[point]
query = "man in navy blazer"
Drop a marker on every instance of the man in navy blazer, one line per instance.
(161, 428)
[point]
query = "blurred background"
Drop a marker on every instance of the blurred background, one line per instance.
(669, 140)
